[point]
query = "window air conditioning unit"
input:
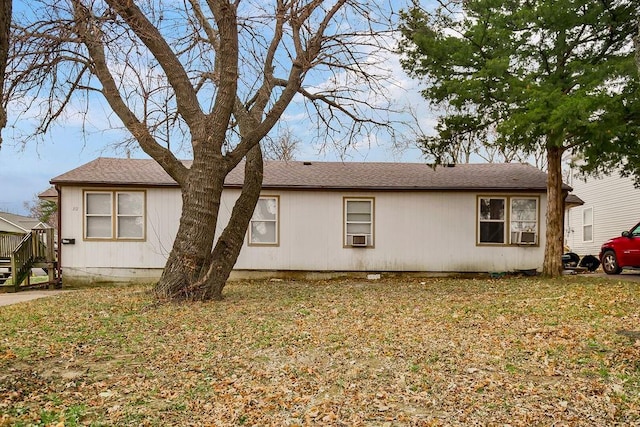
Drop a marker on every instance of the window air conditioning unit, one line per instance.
(359, 240)
(526, 237)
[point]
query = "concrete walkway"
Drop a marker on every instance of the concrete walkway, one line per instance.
(22, 296)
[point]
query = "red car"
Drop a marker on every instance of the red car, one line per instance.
(621, 252)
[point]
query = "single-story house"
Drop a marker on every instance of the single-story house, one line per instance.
(119, 218)
(18, 224)
(611, 206)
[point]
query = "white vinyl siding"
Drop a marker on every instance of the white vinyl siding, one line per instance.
(263, 229)
(587, 225)
(358, 222)
(110, 214)
(413, 232)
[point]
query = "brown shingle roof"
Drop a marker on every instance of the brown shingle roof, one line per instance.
(26, 223)
(109, 171)
(49, 193)
(326, 175)
(572, 200)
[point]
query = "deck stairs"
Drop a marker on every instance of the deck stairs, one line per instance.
(20, 254)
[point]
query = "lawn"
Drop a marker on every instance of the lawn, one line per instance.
(393, 352)
(34, 280)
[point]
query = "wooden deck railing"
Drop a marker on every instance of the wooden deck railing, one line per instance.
(22, 259)
(35, 247)
(8, 242)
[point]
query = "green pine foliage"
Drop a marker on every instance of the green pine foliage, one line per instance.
(531, 75)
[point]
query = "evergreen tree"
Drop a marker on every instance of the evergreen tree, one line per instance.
(546, 75)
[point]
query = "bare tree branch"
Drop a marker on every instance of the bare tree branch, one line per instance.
(5, 30)
(216, 75)
(157, 45)
(92, 39)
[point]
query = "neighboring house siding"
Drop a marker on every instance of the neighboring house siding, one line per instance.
(5, 227)
(413, 231)
(614, 204)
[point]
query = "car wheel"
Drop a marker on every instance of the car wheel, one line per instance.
(610, 263)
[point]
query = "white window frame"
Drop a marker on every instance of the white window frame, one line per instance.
(87, 216)
(113, 215)
(275, 221)
(587, 224)
(348, 234)
(120, 215)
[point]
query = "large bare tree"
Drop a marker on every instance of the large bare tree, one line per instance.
(5, 30)
(282, 147)
(217, 74)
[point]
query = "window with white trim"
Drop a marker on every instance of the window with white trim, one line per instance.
(263, 229)
(98, 208)
(129, 215)
(587, 225)
(358, 222)
(508, 220)
(114, 215)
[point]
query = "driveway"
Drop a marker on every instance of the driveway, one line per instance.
(627, 276)
(22, 296)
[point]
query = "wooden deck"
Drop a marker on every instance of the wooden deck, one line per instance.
(8, 242)
(20, 254)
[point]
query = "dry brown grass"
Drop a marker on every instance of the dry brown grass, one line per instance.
(414, 352)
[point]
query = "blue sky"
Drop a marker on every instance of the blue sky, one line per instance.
(25, 170)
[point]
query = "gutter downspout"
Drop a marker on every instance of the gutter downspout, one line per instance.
(59, 239)
(565, 193)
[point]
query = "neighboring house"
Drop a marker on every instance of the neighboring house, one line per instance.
(611, 206)
(12, 230)
(50, 195)
(48, 206)
(119, 218)
(570, 202)
(25, 243)
(18, 224)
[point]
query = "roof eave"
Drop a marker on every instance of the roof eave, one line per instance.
(306, 187)
(112, 184)
(394, 188)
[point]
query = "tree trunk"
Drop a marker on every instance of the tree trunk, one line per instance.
(229, 244)
(553, 247)
(194, 240)
(5, 30)
(194, 271)
(637, 43)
